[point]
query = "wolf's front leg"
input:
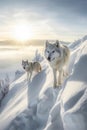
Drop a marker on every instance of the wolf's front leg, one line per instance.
(55, 80)
(60, 77)
(27, 76)
(65, 73)
(30, 76)
(66, 70)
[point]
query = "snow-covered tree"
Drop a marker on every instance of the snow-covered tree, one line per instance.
(37, 57)
(4, 87)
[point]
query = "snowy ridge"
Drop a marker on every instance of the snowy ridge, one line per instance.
(77, 43)
(63, 108)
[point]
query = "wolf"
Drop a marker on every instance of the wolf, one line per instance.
(58, 56)
(29, 67)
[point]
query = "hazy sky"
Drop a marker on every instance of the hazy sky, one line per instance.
(49, 19)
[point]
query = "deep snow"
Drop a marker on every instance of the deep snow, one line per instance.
(38, 106)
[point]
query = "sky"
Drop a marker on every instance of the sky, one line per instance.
(48, 19)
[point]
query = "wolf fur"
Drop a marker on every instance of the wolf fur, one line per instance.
(29, 67)
(58, 56)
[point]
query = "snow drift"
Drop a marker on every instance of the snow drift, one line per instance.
(38, 106)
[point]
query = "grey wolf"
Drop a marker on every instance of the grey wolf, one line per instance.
(58, 56)
(29, 67)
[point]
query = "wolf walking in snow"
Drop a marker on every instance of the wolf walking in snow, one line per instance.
(29, 67)
(58, 56)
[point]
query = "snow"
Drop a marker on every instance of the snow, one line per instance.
(36, 105)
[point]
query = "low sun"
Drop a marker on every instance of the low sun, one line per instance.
(22, 32)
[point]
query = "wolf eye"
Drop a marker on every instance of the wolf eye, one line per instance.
(53, 51)
(47, 51)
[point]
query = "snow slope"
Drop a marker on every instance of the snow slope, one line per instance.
(38, 106)
(70, 109)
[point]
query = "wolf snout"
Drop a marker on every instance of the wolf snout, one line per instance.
(49, 58)
(24, 67)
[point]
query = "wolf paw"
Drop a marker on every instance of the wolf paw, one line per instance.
(57, 86)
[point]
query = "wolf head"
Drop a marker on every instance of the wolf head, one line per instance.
(52, 51)
(25, 64)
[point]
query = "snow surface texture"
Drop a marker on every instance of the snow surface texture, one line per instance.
(63, 108)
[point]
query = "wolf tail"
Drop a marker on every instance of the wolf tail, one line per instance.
(40, 68)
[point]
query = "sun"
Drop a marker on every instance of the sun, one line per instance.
(22, 32)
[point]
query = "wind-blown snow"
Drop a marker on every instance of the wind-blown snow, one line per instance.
(38, 106)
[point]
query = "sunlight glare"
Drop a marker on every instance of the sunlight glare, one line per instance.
(22, 32)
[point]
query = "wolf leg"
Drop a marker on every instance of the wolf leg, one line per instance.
(27, 76)
(55, 80)
(66, 70)
(60, 77)
(30, 76)
(65, 73)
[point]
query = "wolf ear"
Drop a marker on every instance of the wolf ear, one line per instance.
(47, 43)
(57, 43)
